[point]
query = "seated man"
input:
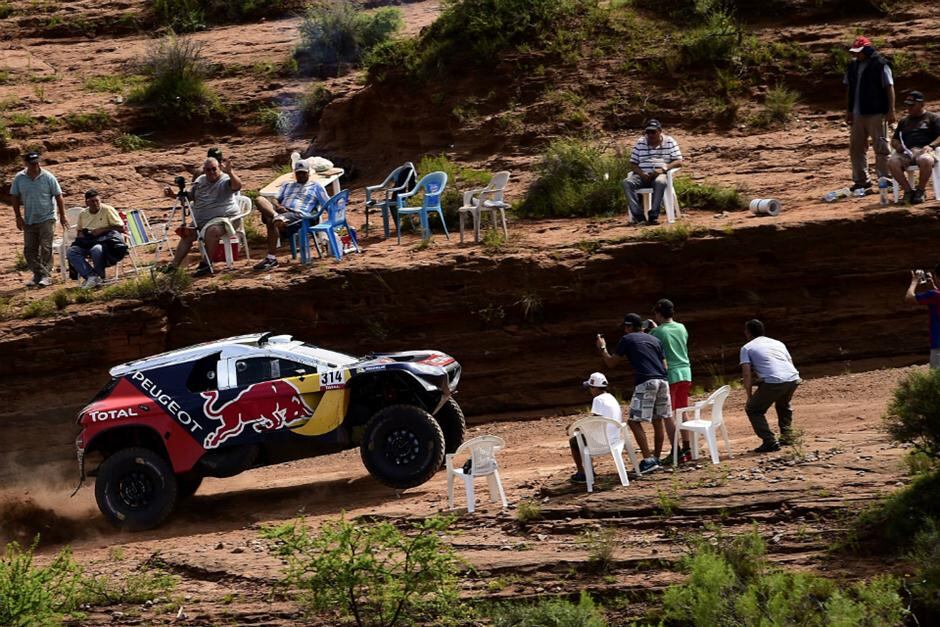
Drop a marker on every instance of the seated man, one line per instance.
(915, 138)
(213, 196)
(605, 405)
(653, 155)
(282, 217)
(98, 237)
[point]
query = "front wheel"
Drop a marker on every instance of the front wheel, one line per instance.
(135, 489)
(453, 424)
(403, 446)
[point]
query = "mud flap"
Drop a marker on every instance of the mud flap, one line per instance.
(81, 472)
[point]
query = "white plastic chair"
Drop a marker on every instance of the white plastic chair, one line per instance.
(594, 441)
(483, 459)
(912, 179)
(234, 227)
(61, 244)
(670, 199)
(697, 426)
(489, 198)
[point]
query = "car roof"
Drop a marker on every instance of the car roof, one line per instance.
(230, 347)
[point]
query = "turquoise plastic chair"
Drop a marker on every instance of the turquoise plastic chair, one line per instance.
(336, 219)
(432, 185)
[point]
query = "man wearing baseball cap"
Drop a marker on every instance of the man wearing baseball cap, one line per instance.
(604, 404)
(37, 191)
(869, 108)
(650, 402)
(915, 140)
(283, 215)
(653, 155)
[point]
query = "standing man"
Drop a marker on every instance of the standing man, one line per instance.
(283, 215)
(653, 155)
(98, 224)
(870, 104)
(213, 196)
(675, 340)
(915, 140)
(766, 363)
(931, 298)
(650, 401)
(604, 404)
(38, 191)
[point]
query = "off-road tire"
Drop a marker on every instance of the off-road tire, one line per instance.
(453, 424)
(403, 446)
(136, 489)
(186, 485)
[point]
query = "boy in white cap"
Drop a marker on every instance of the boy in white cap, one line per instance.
(604, 405)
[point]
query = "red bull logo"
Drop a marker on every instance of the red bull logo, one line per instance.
(265, 406)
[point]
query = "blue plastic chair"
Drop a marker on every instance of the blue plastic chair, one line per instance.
(432, 185)
(387, 191)
(336, 218)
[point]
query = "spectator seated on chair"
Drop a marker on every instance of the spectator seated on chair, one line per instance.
(283, 216)
(915, 139)
(653, 155)
(98, 237)
(604, 404)
(213, 196)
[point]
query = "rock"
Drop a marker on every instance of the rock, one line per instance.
(238, 550)
(219, 546)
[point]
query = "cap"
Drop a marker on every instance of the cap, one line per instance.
(914, 96)
(214, 153)
(91, 193)
(633, 320)
(654, 125)
(859, 43)
(302, 166)
(596, 380)
(31, 157)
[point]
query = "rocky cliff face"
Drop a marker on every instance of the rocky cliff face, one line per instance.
(522, 326)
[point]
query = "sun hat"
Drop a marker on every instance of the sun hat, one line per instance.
(596, 380)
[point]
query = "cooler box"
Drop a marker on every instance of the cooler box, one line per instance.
(219, 254)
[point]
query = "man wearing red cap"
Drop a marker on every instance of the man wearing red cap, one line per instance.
(870, 104)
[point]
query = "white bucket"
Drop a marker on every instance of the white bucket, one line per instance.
(765, 207)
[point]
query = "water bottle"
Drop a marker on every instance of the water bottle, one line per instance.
(883, 190)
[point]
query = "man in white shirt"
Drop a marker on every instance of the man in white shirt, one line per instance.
(652, 156)
(766, 363)
(605, 405)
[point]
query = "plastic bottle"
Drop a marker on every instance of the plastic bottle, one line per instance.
(883, 190)
(840, 193)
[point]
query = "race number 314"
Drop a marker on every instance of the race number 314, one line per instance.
(332, 379)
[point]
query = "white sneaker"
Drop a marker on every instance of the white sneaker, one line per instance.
(45, 281)
(91, 282)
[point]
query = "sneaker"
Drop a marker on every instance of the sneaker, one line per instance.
(866, 187)
(204, 269)
(33, 282)
(908, 198)
(653, 222)
(266, 264)
(685, 456)
(768, 447)
(45, 281)
(918, 197)
(92, 282)
(577, 477)
(649, 465)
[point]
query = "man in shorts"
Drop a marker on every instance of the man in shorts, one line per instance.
(675, 340)
(931, 298)
(915, 142)
(604, 404)
(283, 216)
(650, 401)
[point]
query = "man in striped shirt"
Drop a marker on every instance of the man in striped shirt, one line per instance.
(653, 155)
(293, 201)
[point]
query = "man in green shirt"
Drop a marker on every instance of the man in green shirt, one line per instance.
(37, 191)
(675, 339)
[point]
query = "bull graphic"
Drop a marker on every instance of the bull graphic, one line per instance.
(258, 405)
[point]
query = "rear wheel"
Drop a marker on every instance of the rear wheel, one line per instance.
(403, 446)
(136, 489)
(453, 424)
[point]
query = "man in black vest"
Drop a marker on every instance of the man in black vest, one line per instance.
(870, 86)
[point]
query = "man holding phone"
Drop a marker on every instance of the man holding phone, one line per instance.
(931, 298)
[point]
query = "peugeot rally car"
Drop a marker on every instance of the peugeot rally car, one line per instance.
(217, 409)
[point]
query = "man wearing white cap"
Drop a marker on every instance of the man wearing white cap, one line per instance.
(293, 202)
(605, 405)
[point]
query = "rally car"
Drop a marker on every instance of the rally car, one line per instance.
(164, 423)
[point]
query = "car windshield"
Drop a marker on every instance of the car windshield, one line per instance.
(322, 355)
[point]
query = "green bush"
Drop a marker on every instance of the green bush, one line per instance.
(176, 90)
(925, 556)
(192, 15)
(693, 195)
(128, 142)
(337, 35)
(96, 120)
(372, 573)
(713, 43)
(730, 582)
(458, 180)
(577, 178)
(548, 613)
(34, 595)
(313, 103)
(274, 119)
(890, 526)
(913, 415)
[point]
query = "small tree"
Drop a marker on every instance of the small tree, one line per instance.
(913, 415)
(337, 35)
(375, 573)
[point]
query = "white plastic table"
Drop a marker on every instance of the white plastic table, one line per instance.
(328, 179)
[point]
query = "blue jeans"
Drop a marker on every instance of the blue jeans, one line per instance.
(77, 255)
(632, 183)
